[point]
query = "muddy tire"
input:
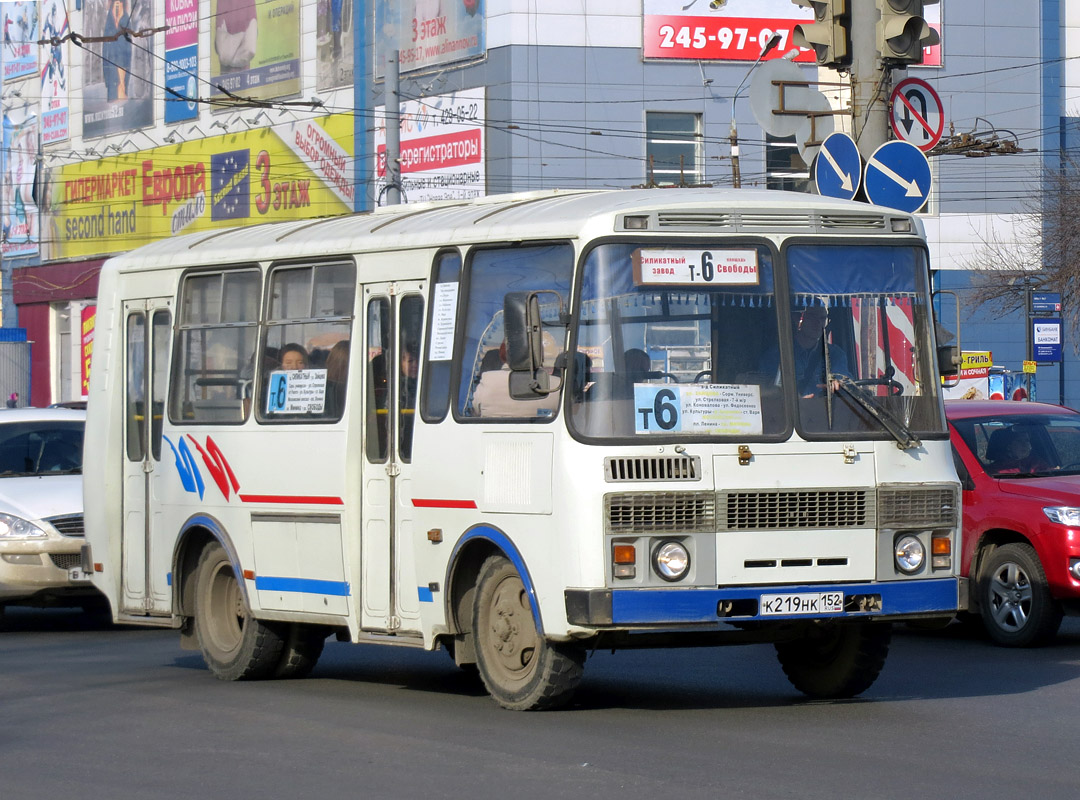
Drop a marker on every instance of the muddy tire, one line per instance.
(235, 645)
(836, 660)
(1014, 598)
(301, 647)
(521, 671)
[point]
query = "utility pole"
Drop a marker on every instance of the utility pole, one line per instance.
(393, 129)
(870, 82)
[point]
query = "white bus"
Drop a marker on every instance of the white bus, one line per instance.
(523, 427)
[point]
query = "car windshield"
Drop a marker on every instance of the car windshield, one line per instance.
(1024, 445)
(41, 447)
(696, 340)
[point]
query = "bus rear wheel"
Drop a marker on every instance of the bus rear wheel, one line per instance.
(836, 660)
(521, 671)
(235, 645)
(300, 651)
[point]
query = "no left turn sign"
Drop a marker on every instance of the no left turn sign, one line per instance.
(916, 113)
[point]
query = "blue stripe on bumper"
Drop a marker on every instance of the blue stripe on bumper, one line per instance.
(678, 606)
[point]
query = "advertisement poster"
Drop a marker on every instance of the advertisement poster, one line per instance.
(737, 30)
(443, 147)
(334, 38)
(20, 22)
(20, 215)
(181, 60)
(262, 175)
(117, 73)
(54, 95)
(88, 318)
(255, 48)
(428, 33)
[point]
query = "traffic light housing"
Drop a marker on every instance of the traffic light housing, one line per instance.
(829, 34)
(902, 32)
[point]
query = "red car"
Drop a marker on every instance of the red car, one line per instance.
(1019, 464)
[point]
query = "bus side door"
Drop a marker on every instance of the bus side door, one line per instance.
(394, 316)
(145, 562)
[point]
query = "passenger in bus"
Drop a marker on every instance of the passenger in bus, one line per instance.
(492, 396)
(410, 366)
(809, 352)
(337, 373)
(293, 356)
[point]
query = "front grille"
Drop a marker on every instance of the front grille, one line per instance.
(68, 524)
(652, 468)
(692, 219)
(850, 221)
(927, 507)
(779, 509)
(655, 512)
(66, 560)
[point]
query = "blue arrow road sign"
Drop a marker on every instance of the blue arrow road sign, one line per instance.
(838, 170)
(898, 176)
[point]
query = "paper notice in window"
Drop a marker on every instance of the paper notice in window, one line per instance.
(299, 391)
(443, 319)
(714, 409)
(720, 267)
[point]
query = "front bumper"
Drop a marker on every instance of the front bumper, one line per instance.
(650, 608)
(42, 567)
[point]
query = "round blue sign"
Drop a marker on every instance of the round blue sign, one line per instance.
(838, 168)
(898, 176)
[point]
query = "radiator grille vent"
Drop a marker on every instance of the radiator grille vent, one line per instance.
(66, 560)
(689, 219)
(930, 507)
(652, 468)
(835, 508)
(860, 221)
(654, 512)
(69, 524)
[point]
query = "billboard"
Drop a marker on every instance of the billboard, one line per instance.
(255, 50)
(20, 214)
(118, 73)
(736, 30)
(294, 171)
(181, 60)
(443, 147)
(334, 44)
(428, 33)
(54, 72)
(20, 24)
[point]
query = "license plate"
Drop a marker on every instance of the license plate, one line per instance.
(807, 603)
(75, 574)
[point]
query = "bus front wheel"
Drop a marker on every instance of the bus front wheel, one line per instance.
(520, 670)
(836, 660)
(235, 645)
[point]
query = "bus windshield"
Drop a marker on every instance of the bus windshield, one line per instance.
(695, 340)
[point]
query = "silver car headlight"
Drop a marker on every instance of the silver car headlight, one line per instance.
(910, 554)
(12, 527)
(1063, 515)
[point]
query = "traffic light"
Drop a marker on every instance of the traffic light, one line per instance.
(902, 33)
(829, 34)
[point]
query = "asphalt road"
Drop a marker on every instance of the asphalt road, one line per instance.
(88, 710)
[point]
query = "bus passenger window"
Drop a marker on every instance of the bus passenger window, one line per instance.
(411, 318)
(214, 360)
(305, 349)
(377, 385)
(435, 400)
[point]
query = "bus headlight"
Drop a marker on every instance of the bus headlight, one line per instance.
(671, 561)
(910, 554)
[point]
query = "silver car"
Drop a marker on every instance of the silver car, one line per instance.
(41, 510)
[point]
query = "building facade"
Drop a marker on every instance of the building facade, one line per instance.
(214, 113)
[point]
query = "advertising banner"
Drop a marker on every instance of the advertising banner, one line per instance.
(20, 217)
(736, 30)
(88, 318)
(334, 38)
(118, 73)
(256, 47)
(1046, 338)
(428, 33)
(443, 147)
(115, 204)
(54, 94)
(20, 23)
(181, 59)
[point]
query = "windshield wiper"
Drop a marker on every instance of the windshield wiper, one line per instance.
(905, 439)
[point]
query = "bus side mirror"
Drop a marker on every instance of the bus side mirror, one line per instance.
(524, 345)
